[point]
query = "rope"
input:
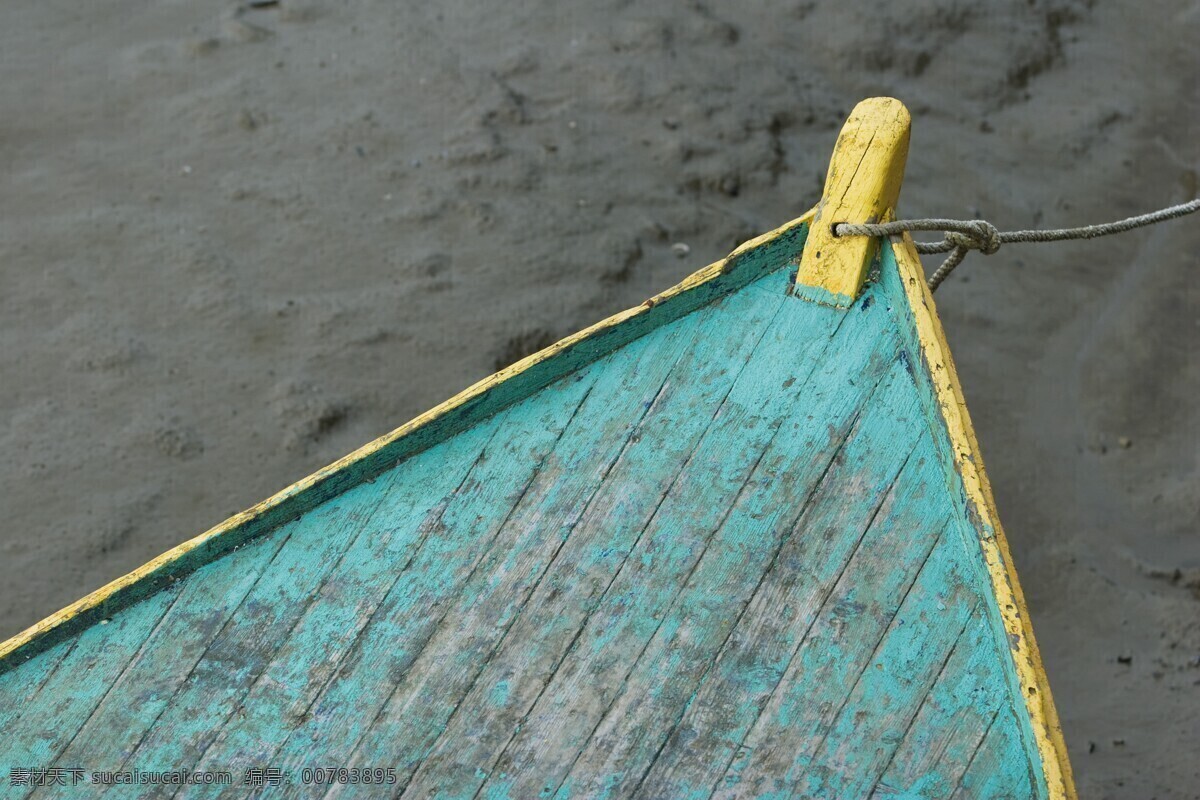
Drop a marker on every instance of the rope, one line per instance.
(964, 235)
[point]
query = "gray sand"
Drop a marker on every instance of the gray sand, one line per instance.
(236, 245)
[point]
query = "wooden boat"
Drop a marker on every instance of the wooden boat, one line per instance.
(734, 542)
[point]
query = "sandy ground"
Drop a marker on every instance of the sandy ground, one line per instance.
(236, 244)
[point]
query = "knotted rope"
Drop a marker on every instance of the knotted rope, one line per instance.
(964, 235)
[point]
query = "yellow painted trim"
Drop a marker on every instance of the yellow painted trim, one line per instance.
(96, 598)
(1035, 687)
(863, 183)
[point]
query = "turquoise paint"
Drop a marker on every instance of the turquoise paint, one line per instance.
(408, 614)
(887, 694)
(823, 618)
(719, 552)
(640, 595)
(166, 659)
(613, 520)
(821, 295)
(731, 568)
(737, 271)
(449, 663)
(999, 767)
(262, 622)
(499, 694)
(81, 682)
(839, 646)
(970, 527)
(953, 718)
(18, 694)
(402, 499)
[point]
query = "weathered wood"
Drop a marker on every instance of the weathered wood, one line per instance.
(903, 283)
(999, 768)
(642, 591)
(435, 664)
(560, 511)
(452, 541)
(863, 183)
(954, 716)
(846, 495)
(817, 614)
(744, 548)
(606, 535)
(84, 677)
(261, 624)
(832, 686)
(166, 659)
(750, 261)
(407, 501)
(16, 696)
(882, 706)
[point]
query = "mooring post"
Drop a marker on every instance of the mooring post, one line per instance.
(863, 183)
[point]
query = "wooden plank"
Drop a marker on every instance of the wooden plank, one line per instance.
(214, 593)
(205, 602)
(666, 677)
(416, 505)
(784, 751)
(533, 540)
(679, 625)
(862, 186)
(227, 669)
(903, 281)
(459, 571)
(609, 530)
(747, 263)
(1000, 769)
(634, 607)
(952, 722)
(864, 739)
(20, 691)
(859, 743)
(417, 602)
(839, 618)
(677, 601)
(80, 683)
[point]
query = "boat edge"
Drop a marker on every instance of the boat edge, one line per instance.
(308, 492)
(1031, 675)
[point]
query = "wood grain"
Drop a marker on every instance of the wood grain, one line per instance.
(609, 532)
(751, 260)
(953, 719)
(862, 185)
(746, 551)
(903, 283)
(166, 660)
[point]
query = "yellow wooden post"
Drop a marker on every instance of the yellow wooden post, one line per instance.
(862, 185)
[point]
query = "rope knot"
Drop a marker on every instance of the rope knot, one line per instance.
(963, 235)
(978, 234)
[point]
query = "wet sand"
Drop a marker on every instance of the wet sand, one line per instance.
(236, 244)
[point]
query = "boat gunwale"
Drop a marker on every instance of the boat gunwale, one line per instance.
(487, 397)
(983, 518)
(462, 411)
